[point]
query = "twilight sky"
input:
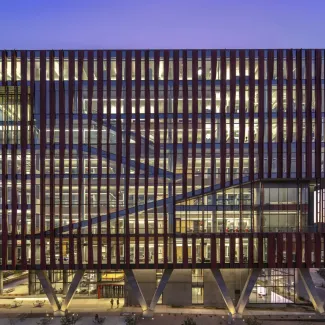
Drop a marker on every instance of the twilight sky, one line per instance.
(125, 24)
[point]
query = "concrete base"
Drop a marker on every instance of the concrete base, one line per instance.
(60, 313)
(237, 316)
(148, 313)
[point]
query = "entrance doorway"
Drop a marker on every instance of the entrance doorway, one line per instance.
(110, 291)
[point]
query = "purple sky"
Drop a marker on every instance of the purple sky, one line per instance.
(112, 24)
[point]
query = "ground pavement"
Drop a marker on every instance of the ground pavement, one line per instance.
(163, 315)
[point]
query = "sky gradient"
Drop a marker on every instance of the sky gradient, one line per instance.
(142, 24)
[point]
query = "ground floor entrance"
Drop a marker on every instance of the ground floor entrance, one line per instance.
(110, 291)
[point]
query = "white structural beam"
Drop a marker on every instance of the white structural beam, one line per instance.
(72, 289)
(49, 291)
(161, 286)
(311, 290)
(224, 290)
(247, 290)
(136, 290)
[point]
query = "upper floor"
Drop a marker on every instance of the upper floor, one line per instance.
(280, 64)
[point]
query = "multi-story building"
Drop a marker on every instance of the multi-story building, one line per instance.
(193, 176)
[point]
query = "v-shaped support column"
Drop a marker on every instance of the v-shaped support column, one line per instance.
(311, 290)
(72, 289)
(49, 291)
(224, 290)
(161, 286)
(136, 290)
(148, 312)
(247, 290)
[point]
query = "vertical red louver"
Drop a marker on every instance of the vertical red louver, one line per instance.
(280, 113)
(23, 141)
(128, 112)
(42, 156)
(100, 99)
(71, 76)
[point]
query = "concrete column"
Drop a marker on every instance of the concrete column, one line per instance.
(224, 290)
(247, 290)
(136, 290)
(31, 282)
(161, 286)
(65, 281)
(1, 282)
(311, 290)
(48, 290)
(72, 290)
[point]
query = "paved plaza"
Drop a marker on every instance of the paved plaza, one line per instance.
(164, 315)
(170, 319)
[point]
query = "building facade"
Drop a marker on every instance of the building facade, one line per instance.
(159, 168)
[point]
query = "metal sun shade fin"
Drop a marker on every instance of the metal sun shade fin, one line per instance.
(137, 148)
(128, 108)
(185, 251)
(261, 76)
(100, 96)
(318, 113)
(14, 167)
(232, 113)
(260, 250)
(222, 250)
(308, 249)
(251, 250)
(290, 109)
(147, 134)
(156, 152)
(175, 138)
(195, 112)
(108, 198)
(185, 125)
(280, 246)
(90, 112)
(118, 151)
(62, 126)
(270, 68)
(52, 94)
(71, 60)
(280, 109)
(81, 185)
(203, 123)
(223, 139)
(298, 249)
(289, 248)
(213, 116)
(193, 251)
(242, 109)
(308, 112)
(32, 158)
(317, 248)
(271, 250)
(42, 155)
(213, 251)
(23, 141)
(299, 113)
(251, 113)
(166, 98)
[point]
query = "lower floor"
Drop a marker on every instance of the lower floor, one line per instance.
(230, 289)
